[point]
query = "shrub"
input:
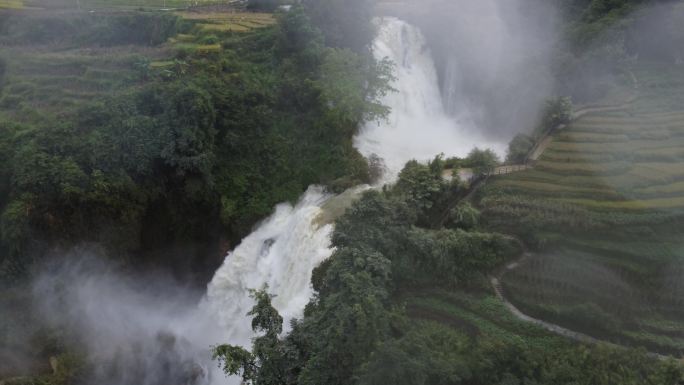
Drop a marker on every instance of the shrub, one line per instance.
(463, 216)
(209, 40)
(481, 161)
(419, 185)
(519, 148)
(556, 111)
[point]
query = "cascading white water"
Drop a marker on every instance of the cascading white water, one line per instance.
(285, 248)
(280, 253)
(418, 126)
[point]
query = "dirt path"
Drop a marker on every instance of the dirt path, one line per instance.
(495, 281)
(496, 284)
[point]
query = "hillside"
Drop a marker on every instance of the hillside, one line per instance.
(163, 137)
(196, 190)
(604, 206)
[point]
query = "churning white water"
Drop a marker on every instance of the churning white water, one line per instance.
(285, 248)
(418, 126)
(281, 253)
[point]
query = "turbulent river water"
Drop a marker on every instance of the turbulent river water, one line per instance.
(286, 247)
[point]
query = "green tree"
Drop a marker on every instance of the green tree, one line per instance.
(350, 316)
(261, 366)
(142, 66)
(352, 86)
(429, 355)
(556, 111)
(463, 216)
(298, 39)
(419, 185)
(481, 161)
(518, 149)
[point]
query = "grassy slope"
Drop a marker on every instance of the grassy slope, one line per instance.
(50, 80)
(606, 203)
(228, 21)
(477, 314)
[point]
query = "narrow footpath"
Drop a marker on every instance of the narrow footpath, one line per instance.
(495, 281)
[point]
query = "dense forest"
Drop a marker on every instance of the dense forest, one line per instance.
(158, 140)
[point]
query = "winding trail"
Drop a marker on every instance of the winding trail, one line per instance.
(495, 281)
(496, 284)
(498, 275)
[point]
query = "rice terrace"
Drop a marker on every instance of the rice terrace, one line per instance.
(612, 247)
(59, 75)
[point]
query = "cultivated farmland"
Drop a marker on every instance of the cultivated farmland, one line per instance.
(604, 208)
(52, 73)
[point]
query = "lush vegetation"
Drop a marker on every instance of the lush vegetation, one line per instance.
(403, 304)
(164, 137)
(156, 147)
(603, 205)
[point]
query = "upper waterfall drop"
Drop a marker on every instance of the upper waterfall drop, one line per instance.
(418, 126)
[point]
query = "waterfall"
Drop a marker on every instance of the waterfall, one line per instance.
(280, 253)
(418, 127)
(286, 247)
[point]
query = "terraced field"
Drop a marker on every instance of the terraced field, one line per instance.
(107, 4)
(477, 315)
(11, 4)
(52, 81)
(62, 75)
(604, 205)
(229, 21)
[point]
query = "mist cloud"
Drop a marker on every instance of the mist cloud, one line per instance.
(493, 57)
(143, 330)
